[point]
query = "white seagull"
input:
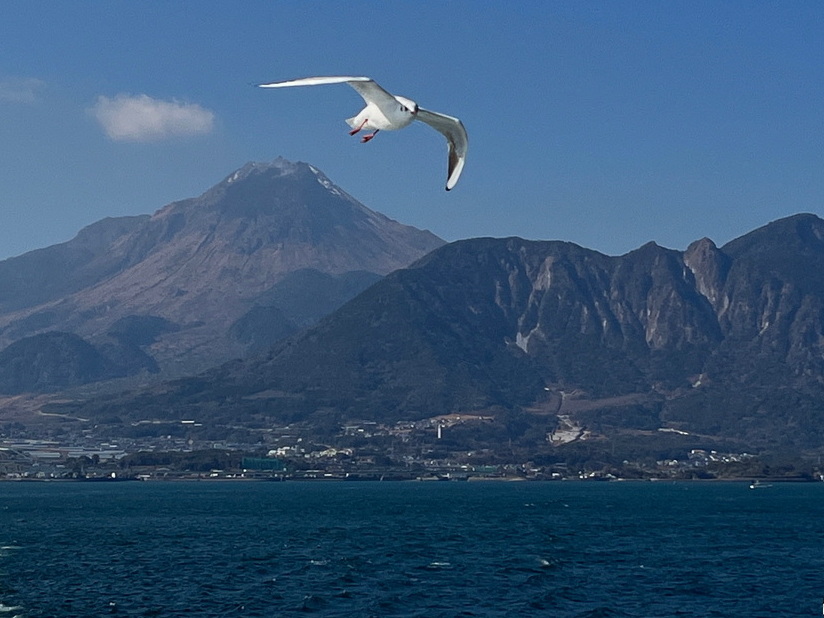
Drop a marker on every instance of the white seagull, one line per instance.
(388, 112)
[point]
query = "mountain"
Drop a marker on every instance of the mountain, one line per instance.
(724, 343)
(187, 286)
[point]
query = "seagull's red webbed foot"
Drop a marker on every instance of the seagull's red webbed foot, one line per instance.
(355, 130)
(366, 138)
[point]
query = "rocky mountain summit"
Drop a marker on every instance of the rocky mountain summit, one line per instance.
(721, 342)
(179, 291)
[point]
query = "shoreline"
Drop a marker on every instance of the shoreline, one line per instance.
(471, 479)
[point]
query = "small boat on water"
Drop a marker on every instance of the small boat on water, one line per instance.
(759, 485)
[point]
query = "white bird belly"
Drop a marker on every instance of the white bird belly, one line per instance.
(372, 118)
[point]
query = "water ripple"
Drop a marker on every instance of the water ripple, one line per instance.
(407, 550)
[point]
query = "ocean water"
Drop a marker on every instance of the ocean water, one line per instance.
(411, 549)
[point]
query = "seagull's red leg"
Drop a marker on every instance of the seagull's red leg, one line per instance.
(353, 131)
(366, 138)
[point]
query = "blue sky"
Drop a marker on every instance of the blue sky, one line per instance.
(608, 124)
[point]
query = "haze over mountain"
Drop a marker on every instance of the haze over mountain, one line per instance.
(186, 288)
(721, 342)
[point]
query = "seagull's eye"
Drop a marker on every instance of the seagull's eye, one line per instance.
(403, 108)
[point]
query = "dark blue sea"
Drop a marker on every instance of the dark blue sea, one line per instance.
(411, 549)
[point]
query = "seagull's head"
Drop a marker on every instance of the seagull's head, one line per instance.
(408, 105)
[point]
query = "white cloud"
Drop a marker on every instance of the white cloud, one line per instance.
(20, 89)
(141, 118)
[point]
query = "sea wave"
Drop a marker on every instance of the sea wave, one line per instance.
(431, 550)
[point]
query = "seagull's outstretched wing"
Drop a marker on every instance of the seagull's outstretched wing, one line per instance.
(455, 134)
(365, 86)
(315, 81)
